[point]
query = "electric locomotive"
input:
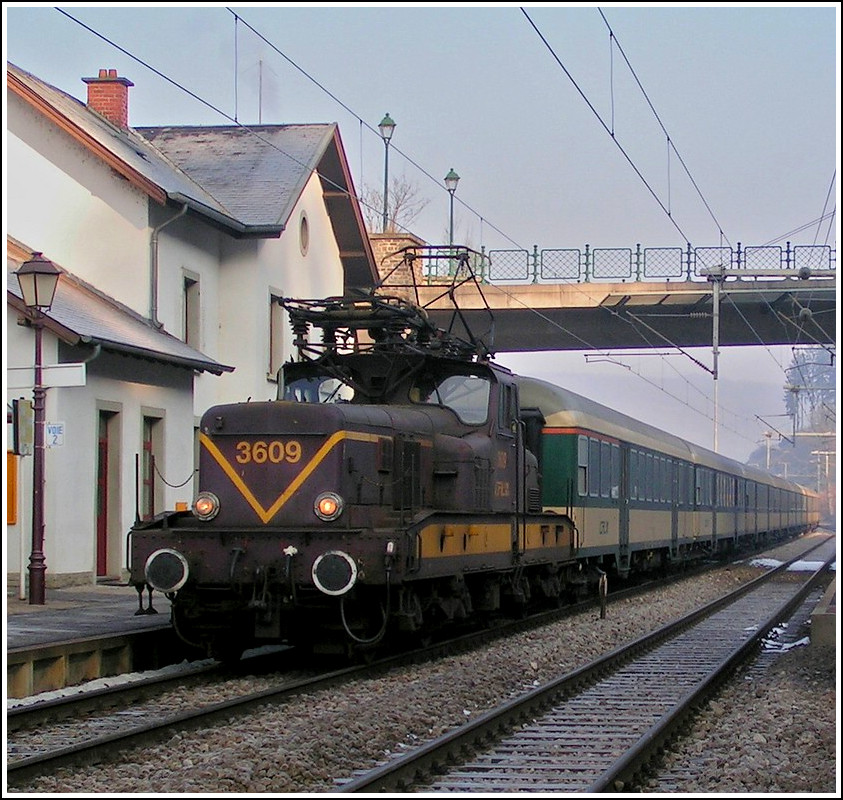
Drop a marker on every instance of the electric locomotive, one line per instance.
(390, 490)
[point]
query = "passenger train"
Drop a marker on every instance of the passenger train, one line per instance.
(403, 481)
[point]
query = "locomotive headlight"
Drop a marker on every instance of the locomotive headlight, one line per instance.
(328, 506)
(166, 570)
(206, 506)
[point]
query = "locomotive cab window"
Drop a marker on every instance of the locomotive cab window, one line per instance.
(466, 395)
(318, 389)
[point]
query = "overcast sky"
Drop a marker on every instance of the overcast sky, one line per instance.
(523, 105)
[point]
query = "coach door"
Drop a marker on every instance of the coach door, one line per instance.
(673, 486)
(623, 507)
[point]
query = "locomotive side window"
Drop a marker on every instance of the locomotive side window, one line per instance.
(508, 411)
(466, 395)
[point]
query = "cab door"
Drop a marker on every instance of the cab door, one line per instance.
(510, 464)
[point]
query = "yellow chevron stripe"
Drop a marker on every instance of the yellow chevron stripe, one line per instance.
(266, 515)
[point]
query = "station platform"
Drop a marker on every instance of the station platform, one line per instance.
(83, 633)
(78, 612)
(824, 619)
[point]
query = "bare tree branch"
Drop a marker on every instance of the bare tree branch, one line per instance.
(404, 204)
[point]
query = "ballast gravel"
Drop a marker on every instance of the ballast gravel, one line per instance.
(771, 730)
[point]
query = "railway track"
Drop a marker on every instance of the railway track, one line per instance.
(596, 729)
(81, 729)
(94, 728)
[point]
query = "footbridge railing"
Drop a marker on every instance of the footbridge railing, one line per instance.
(620, 264)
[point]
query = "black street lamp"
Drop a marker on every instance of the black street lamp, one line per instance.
(386, 127)
(38, 279)
(451, 181)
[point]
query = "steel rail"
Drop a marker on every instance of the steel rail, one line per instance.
(442, 753)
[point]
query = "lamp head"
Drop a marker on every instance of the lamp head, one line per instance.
(386, 127)
(38, 279)
(451, 181)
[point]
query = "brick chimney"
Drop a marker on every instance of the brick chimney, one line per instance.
(109, 95)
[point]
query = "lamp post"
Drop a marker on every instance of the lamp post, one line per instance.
(38, 279)
(451, 181)
(386, 127)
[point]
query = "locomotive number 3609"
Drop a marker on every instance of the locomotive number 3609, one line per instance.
(275, 452)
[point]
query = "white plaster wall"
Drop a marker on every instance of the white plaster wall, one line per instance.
(67, 203)
(187, 245)
(252, 271)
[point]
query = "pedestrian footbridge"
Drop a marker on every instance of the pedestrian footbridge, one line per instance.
(624, 298)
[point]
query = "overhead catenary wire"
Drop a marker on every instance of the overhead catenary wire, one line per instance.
(361, 120)
(588, 345)
(685, 237)
(670, 144)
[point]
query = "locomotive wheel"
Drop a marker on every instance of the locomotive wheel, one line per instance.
(227, 653)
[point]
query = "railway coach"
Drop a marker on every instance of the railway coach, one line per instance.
(642, 498)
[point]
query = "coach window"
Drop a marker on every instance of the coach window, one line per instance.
(689, 485)
(654, 477)
(616, 471)
(669, 481)
(582, 465)
(605, 469)
(633, 473)
(594, 467)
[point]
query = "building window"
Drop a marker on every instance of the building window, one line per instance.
(190, 333)
(304, 234)
(277, 321)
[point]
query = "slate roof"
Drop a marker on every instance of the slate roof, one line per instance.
(257, 173)
(80, 314)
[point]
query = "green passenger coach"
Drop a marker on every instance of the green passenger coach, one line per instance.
(642, 498)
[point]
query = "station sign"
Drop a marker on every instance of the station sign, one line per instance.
(52, 376)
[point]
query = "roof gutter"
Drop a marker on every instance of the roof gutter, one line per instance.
(153, 267)
(238, 229)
